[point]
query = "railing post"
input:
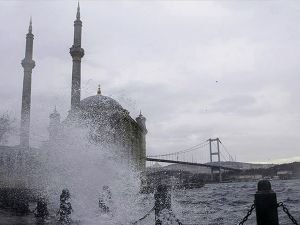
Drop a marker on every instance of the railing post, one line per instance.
(162, 201)
(266, 204)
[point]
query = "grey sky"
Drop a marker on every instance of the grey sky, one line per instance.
(164, 57)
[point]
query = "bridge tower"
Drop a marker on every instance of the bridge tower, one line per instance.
(215, 153)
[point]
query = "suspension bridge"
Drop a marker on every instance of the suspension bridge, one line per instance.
(195, 156)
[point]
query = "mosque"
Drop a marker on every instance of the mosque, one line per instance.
(107, 121)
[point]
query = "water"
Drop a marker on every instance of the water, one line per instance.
(226, 204)
(214, 204)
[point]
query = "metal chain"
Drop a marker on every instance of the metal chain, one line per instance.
(174, 216)
(285, 209)
(280, 204)
(248, 214)
(176, 219)
(144, 216)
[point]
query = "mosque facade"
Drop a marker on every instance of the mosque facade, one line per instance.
(107, 121)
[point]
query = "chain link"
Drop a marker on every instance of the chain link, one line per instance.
(176, 219)
(248, 214)
(144, 216)
(168, 214)
(280, 204)
(285, 209)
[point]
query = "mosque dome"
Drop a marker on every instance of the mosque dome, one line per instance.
(104, 117)
(100, 103)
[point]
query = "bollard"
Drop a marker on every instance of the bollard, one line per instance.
(162, 201)
(266, 204)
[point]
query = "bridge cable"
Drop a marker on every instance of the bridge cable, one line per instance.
(196, 147)
(229, 155)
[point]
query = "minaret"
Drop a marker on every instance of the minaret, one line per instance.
(141, 121)
(28, 64)
(77, 53)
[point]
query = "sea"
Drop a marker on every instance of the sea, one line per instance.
(213, 204)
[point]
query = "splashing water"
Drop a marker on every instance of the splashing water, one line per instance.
(84, 168)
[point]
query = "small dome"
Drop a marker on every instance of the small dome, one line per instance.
(100, 102)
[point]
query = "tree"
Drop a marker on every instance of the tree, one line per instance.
(6, 127)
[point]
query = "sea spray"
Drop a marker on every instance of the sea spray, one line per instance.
(84, 167)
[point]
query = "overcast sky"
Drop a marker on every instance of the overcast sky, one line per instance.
(196, 69)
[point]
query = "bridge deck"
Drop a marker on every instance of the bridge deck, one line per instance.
(191, 163)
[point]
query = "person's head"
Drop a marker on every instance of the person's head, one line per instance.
(41, 199)
(65, 194)
(105, 188)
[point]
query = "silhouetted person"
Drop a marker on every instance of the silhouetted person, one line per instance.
(105, 200)
(65, 208)
(41, 210)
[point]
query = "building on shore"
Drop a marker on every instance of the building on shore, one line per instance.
(107, 122)
(285, 174)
